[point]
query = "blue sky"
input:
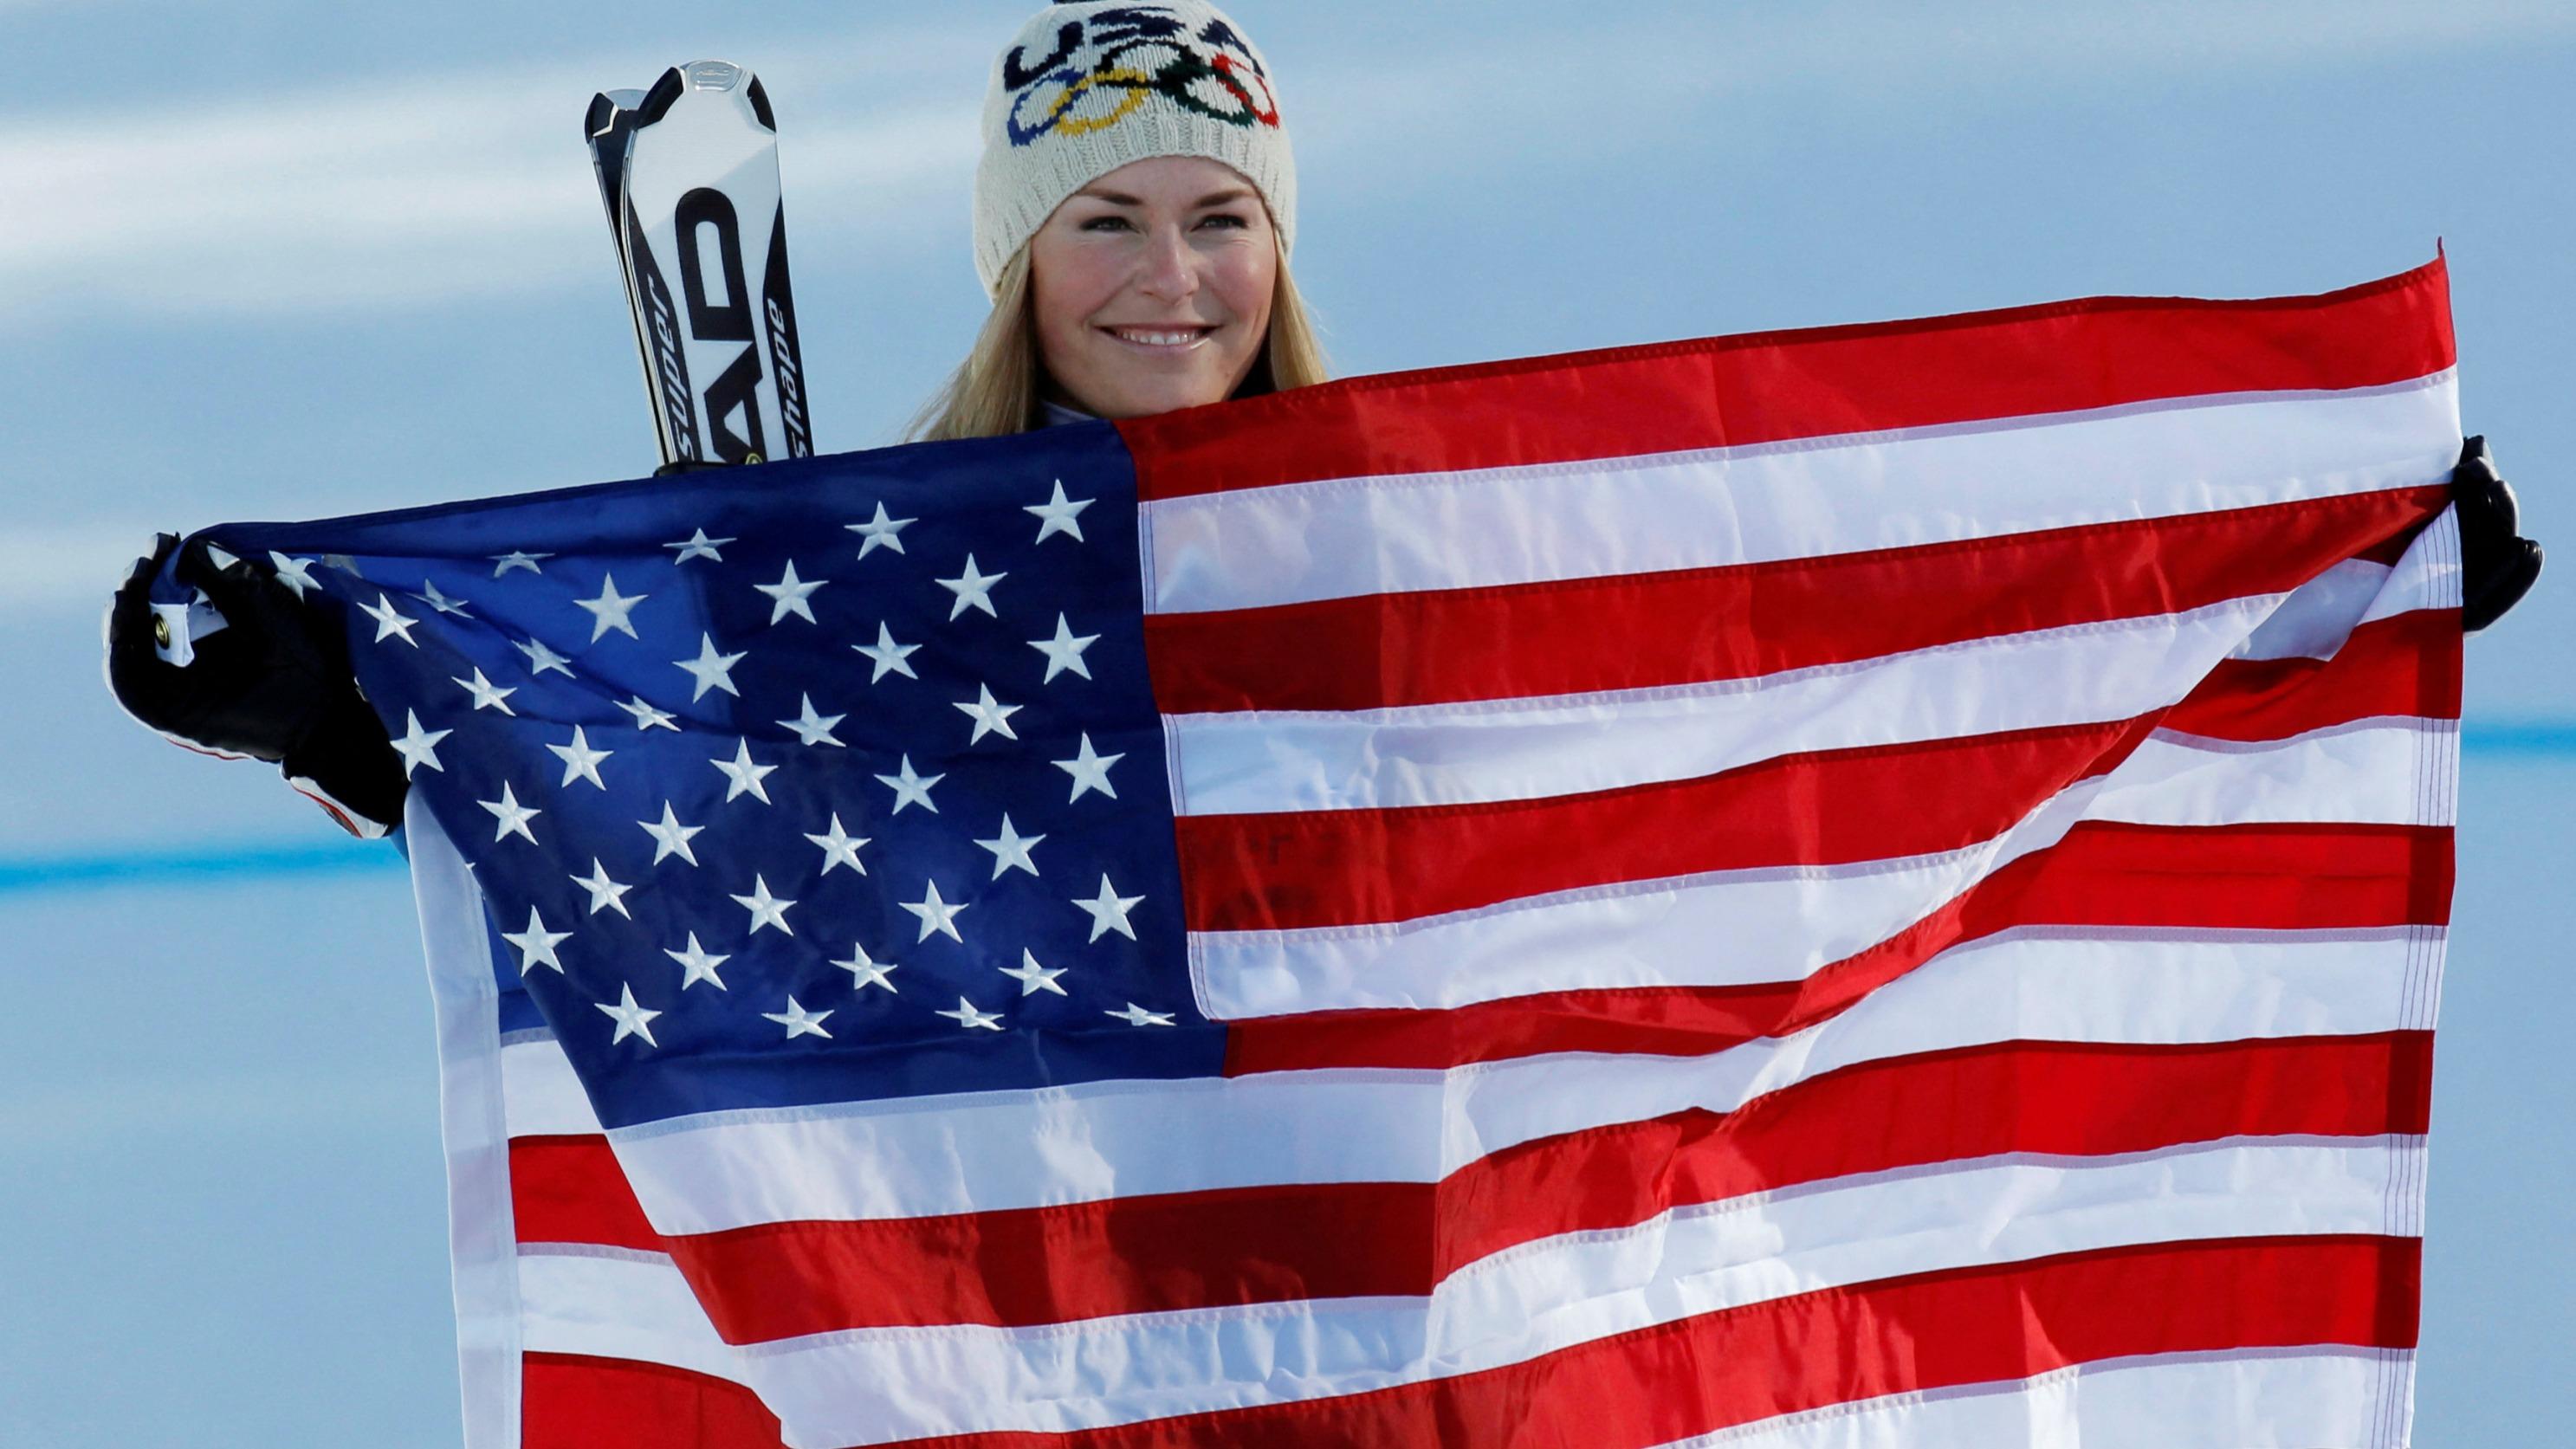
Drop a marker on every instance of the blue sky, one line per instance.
(277, 259)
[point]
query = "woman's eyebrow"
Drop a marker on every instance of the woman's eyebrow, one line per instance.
(1120, 198)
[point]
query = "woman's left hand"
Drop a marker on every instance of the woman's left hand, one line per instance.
(2497, 564)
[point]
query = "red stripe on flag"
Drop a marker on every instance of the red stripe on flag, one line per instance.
(571, 1190)
(1350, 867)
(2406, 665)
(2102, 874)
(2071, 1098)
(1390, 650)
(1769, 387)
(1168, 1252)
(571, 1401)
(1836, 1346)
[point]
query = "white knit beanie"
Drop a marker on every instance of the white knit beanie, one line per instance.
(1090, 85)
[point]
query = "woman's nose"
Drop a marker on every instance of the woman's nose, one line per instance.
(1170, 268)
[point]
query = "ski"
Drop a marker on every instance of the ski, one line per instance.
(606, 127)
(688, 170)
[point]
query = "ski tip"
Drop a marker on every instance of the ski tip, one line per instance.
(714, 75)
(607, 110)
(657, 101)
(760, 104)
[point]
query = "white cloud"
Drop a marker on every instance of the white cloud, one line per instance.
(447, 186)
(473, 183)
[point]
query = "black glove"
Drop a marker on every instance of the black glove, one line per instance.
(274, 684)
(2496, 565)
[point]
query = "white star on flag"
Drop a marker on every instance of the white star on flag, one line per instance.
(295, 573)
(910, 789)
(744, 775)
(967, 1016)
(541, 658)
(812, 728)
(1090, 770)
(430, 595)
(938, 917)
(990, 715)
(973, 589)
(1057, 515)
(698, 545)
(609, 610)
(632, 1020)
(696, 965)
(840, 848)
(1011, 850)
(514, 817)
(390, 621)
(1136, 1015)
(605, 894)
(502, 563)
(537, 944)
(865, 972)
(419, 747)
(710, 669)
(581, 762)
(766, 909)
(1064, 651)
(789, 595)
(486, 696)
(672, 836)
(888, 655)
(799, 1021)
(880, 532)
(1109, 911)
(1034, 978)
(647, 717)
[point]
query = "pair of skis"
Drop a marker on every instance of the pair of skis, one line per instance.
(688, 170)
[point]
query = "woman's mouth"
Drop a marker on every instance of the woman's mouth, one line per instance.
(1160, 339)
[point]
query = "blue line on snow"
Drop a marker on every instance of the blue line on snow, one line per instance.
(170, 867)
(2526, 740)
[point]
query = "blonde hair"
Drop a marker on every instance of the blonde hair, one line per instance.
(995, 390)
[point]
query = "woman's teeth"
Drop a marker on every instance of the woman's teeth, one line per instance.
(1146, 338)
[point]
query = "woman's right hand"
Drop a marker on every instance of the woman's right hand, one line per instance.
(273, 683)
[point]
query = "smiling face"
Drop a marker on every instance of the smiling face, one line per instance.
(1151, 287)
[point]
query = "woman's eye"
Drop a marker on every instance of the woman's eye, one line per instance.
(1105, 223)
(1227, 218)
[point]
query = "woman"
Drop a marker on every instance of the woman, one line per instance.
(1134, 211)
(1133, 214)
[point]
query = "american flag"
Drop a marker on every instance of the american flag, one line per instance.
(1862, 887)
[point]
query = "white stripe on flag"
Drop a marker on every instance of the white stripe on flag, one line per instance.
(1339, 538)
(2059, 984)
(874, 1385)
(613, 1303)
(545, 1098)
(473, 1129)
(1521, 749)
(1013, 1149)
(2254, 1399)
(2361, 774)
(1781, 924)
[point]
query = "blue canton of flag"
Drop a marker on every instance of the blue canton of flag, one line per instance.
(823, 781)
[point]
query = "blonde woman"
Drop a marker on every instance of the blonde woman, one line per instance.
(1133, 217)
